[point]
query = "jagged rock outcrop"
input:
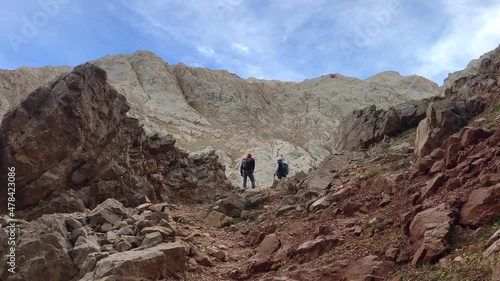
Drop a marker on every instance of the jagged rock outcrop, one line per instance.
(16, 85)
(444, 118)
(201, 107)
(364, 127)
(73, 146)
(466, 94)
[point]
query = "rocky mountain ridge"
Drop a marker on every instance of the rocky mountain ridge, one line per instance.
(201, 107)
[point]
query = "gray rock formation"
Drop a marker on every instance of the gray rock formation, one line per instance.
(364, 127)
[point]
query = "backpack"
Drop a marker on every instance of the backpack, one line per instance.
(245, 163)
(285, 169)
(282, 169)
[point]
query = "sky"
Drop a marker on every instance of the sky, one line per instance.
(289, 40)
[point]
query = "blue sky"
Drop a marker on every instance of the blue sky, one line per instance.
(281, 39)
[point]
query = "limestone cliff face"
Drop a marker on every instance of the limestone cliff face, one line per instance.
(202, 107)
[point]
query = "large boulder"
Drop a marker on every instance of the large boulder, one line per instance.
(233, 205)
(429, 234)
(159, 262)
(482, 206)
(445, 117)
(364, 127)
(268, 246)
(317, 182)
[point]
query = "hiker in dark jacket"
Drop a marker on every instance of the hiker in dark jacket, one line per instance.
(246, 170)
(279, 170)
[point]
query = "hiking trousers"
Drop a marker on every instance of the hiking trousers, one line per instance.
(248, 174)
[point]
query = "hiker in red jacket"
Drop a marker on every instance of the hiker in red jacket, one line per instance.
(246, 170)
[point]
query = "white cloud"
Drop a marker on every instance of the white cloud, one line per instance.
(473, 30)
(232, 28)
(240, 48)
(295, 40)
(205, 50)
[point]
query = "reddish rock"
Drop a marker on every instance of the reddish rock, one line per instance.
(201, 258)
(315, 248)
(253, 238)
(452, 155)
(472, 136)
(342, 193)
(437, 154)
(369, 268)
(391, 254)
(432, 186)
(452, 173)
(384, 182)
(350, 208)
(489, 180)
(237, 274)
(290, 188)
(386, 200)
(449, 141)
(259, 266)
(322, 230)
(452, 184)
(233, 205)
(327, 273)
(422, 166)
(429, 233)
(268, 246)
(312, 249)
(482, 206)
(123, 246)
(281, 256)
(215, 218)
(397, 177)
(438, 167)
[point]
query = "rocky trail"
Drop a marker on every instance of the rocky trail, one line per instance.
(359, 226)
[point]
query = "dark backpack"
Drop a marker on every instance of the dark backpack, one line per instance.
(282, 169)
(245, 163)
(285, 169)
